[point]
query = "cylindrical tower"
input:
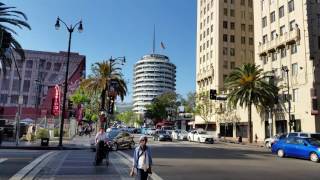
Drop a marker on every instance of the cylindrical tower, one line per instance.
(154, 74)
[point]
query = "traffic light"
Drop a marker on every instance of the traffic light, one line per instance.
(110, 105)
(70, 104)
(213, 94)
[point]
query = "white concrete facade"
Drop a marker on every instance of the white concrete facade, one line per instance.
(154, 74)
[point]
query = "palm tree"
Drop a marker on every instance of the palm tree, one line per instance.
(248, 86)
(10, 16)
(100, 81)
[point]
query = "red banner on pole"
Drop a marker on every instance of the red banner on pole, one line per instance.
(56, 101)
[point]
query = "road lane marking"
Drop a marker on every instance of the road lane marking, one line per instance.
(24, 171)
(129, 159)
(3, 160)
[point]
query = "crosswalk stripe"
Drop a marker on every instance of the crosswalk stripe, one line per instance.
(3, 160)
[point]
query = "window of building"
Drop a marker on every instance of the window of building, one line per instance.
(225, 38)
(225, 64)
(273, 34)
(264, 21)
(27, 74)
(208, 31)
(264, 59)
(232, 25)
(281, 12)
(225, 51)
(15, 85)
(272, 17)
(5, 84)
(232, 1)
(242, 2)
(250, 3)
(232, 65)
(42, 63)
(243, 14)
(295, 95)
(25, 100)
(318, 42)
(294, 71)
(282, 30)
(264, 39)
(274, 56)
(211, 28)
(232, 52)
(291, 6)
(243, 27)
(201, 25)
(243, 40)
(251, 41)
(57, 66)
(293, 48)
(225, 11)
(26, 86)
(232, 38)
(211, 41)
(29, 64)
(225, 1)
(4, 98)
(232, 14)
(292, 24)
(225, 24)
(14, 99)
(250, 28)
(48, 67)
(283, 52)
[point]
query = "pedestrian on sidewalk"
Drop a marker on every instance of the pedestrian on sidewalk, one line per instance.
(142, 160)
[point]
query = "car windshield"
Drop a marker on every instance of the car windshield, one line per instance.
(314, 142)
(315, 136)
(202, 132)
(184, 132)
(112, 134)
(162, 132)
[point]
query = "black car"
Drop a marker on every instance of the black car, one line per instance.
(162, 136)
(120, 140)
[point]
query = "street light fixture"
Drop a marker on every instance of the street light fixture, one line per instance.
(286, 70)
(70, 30)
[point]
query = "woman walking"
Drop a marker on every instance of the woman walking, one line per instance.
(142, 160)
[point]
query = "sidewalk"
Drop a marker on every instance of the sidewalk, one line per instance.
(77, 142)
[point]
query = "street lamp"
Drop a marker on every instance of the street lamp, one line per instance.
(70, 30)
(286, 70)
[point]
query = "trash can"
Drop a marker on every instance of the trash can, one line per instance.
(44, 141)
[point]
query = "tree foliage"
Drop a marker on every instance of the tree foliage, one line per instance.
(248, 86)
(128, 117)
(204, 107)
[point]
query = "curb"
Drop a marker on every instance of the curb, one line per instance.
(30, 167)
(154, 176)
(43, 148)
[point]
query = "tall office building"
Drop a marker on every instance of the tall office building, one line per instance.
(225, 40)
(287, 45)
(154, 74)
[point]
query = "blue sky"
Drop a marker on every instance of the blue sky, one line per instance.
(116, 28)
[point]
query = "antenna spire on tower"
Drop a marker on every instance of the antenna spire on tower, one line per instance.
(154, 39)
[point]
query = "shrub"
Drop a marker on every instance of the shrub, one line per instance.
(42, 133)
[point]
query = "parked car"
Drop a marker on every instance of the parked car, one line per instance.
(144, 130)
(201, 136)
(179, 134)
(303, 134)
(270, 141)
(117, 140)
(151, 131)
(299, 147)
(162, 136)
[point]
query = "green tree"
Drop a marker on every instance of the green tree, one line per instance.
(128, 117)
(189, 103)
(100, 80)
(9, 16)
(248, 86)
(162, 106)
(204, 107)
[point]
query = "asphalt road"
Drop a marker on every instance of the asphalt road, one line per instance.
(11, 161)
(185, 160)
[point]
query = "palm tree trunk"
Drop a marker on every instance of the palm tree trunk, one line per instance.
(103, 99)
(250, 134)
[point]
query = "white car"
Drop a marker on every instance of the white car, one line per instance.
(179, 134)
(201, 136)
(151, 131)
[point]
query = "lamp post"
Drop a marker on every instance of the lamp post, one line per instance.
(70, 30)
(286, 70)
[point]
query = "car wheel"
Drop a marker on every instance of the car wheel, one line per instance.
(115, 147)
(280, 153)
(314, 157)
(267, 145)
